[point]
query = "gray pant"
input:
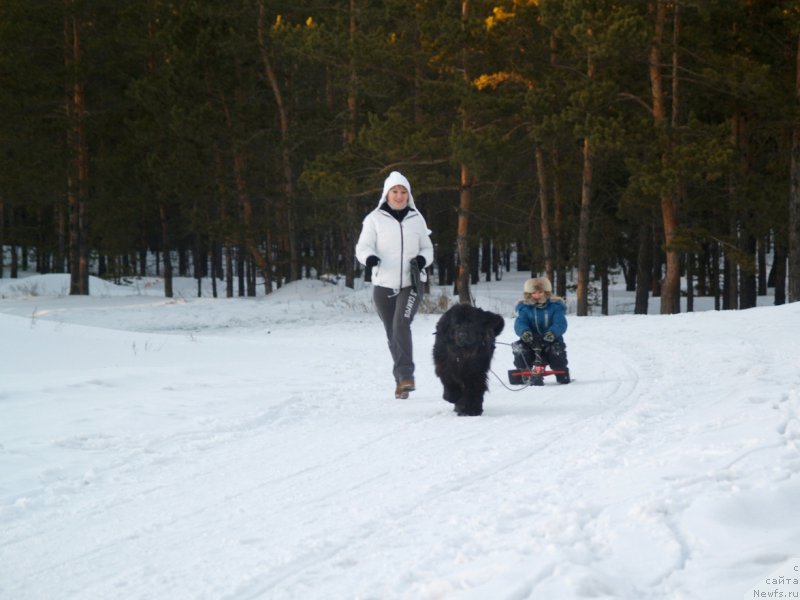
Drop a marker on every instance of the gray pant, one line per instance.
(397, 310)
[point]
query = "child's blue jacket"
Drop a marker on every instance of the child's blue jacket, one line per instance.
(541, 319)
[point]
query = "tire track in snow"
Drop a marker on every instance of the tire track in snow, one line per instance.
(554, 428)
(623, 391)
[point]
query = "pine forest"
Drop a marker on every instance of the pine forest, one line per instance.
(655, 142)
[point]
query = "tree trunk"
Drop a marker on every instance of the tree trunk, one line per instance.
(702, 271)
(245, 202)
(644, 268)
(250, 270)
(690, 282)
(761, 252)
(350, 132)
(166, 248)
(78, 172)
(560, 258)
(462, 243)
(229, 274)
(748, 294)
(225, 225)
(494, 263)
(60, 265)
(673, 275)
(582, 291)
(583, 231)
(533, 255)
(779, 268)
(670, 290)
(794, 199)
(486, 258)
(240, 253)
(183, 261)
(547, 252)
(730, 300)
(465, 196)
(2, 237)
(14, 266)
(715, 288)
(286, 160)
(247, 217)
(214, 268)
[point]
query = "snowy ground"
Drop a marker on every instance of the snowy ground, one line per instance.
(252, 448)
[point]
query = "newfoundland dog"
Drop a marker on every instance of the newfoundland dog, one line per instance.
(462, 354)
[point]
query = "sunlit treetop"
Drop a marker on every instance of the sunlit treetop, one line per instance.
(500, 14)
(492, 80)
(279, 24)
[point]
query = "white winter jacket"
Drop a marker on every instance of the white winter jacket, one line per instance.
(395, 243)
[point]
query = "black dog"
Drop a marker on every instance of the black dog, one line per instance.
(462, 354)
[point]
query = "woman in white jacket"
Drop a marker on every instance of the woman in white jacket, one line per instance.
(392, 236)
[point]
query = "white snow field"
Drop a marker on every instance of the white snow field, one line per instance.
(187, 448)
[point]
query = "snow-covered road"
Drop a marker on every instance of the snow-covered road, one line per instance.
(252, 449)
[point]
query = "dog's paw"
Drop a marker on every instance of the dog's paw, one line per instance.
(463, 411)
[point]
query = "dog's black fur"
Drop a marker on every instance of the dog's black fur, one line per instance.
(462, 354)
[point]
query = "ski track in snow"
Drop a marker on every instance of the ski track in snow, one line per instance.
(277, 478)
(464, 454)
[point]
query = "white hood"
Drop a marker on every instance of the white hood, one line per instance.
(397, 178)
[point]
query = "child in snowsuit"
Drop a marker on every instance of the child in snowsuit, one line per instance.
(541, 324)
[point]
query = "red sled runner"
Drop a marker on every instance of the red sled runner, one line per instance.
(533, 373)
(533, 376)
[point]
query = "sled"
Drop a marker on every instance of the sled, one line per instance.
(533, 376)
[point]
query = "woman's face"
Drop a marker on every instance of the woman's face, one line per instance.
(397, 197)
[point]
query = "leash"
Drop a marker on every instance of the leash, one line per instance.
(503, 383)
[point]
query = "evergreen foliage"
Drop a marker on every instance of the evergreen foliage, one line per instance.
(247, 139)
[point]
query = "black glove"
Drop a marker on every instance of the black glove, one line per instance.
(527, 337)
(549, 337)
(416, 265)
(372, 261)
